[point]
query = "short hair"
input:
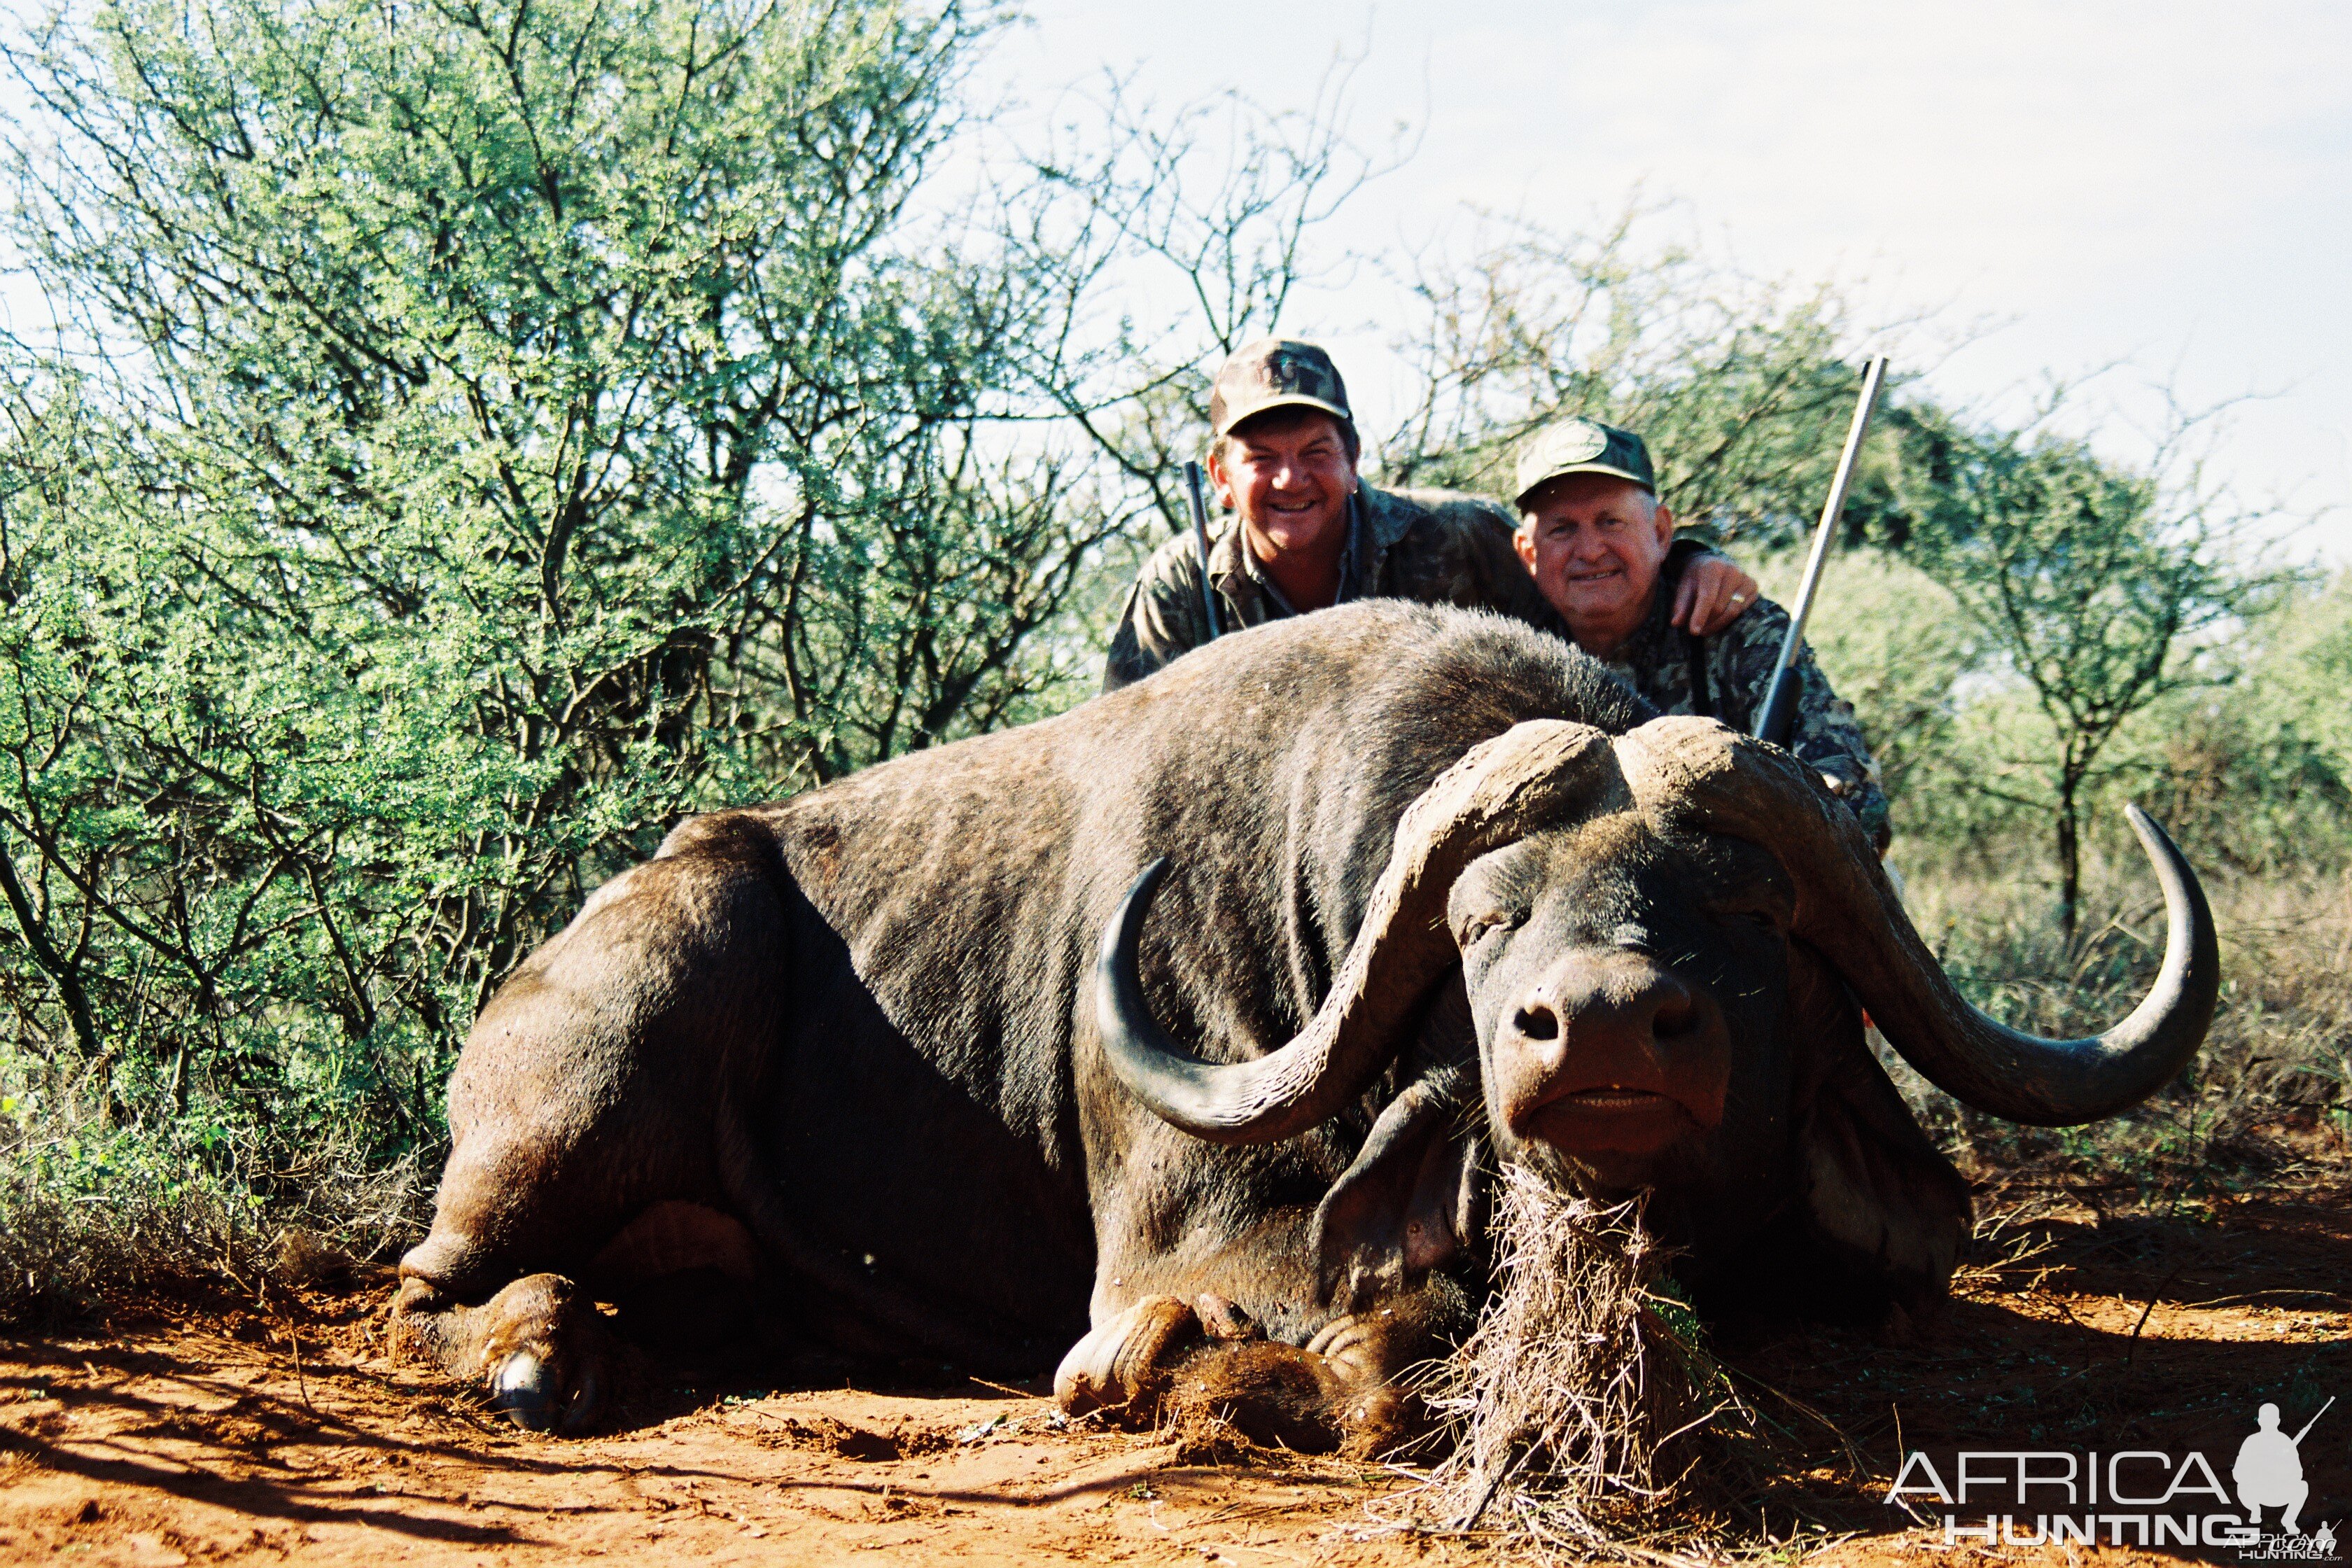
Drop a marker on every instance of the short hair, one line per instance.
(1287, 414)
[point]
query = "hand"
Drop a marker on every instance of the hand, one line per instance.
(1713, 593)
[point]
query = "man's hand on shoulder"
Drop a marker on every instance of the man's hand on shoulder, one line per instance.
(1714, 592)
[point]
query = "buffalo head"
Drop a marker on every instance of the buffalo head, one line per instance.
(1630, 917)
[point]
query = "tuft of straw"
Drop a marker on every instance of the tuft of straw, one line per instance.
(1572, 1408)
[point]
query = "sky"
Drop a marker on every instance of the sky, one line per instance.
(2156, 191)
(2128, 196)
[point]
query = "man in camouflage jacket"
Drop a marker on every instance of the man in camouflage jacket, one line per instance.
(1599, 548)
(1284, 461)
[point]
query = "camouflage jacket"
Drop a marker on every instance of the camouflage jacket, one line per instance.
(1444, 547)
(1728, 676)
(1439, 547)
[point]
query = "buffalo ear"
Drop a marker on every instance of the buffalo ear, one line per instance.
(1878, 1195)
(1404, 1206)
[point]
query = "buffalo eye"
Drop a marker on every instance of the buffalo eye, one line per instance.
(1480, 927)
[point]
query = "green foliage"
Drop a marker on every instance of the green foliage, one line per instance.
(2249, 766)
(2255, 771)
(1896, 644)
(487, 434)
(91, 1205)
(2092, 581)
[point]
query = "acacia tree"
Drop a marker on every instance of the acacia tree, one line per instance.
(1175, 239)
(2091, 579)
(51, 931)
(1741, 390)
(483, 432)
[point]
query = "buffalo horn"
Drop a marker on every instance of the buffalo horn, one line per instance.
(1695, 771)
(1500, 791)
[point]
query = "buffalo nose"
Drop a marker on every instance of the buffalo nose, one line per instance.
(1537, 1021)
(1618, 996)
(1611, 1051)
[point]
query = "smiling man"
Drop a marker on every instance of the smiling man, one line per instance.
(1598, 545)
(1309, 533)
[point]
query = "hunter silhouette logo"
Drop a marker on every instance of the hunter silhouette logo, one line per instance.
(2269, 1472)
(2135, 1497)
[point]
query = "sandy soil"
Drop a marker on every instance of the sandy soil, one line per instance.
(219, 1427)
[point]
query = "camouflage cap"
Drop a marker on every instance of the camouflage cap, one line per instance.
(1276, 372)
(1581, 445)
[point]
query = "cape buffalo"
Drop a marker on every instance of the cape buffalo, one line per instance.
(1419, 890)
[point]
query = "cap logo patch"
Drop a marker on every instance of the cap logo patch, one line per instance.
(1578, 441)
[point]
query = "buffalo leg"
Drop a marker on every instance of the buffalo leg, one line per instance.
(580, 1117)
(541, 1355)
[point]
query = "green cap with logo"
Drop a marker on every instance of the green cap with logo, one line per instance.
(1581, 445)
(1276, 372)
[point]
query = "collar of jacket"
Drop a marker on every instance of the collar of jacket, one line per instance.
(1382, 519)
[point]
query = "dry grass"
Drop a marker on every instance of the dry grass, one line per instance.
(90, 1209)
(2267, 1102)
(1571, 1414)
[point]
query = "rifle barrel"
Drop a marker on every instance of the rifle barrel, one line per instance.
(1201, 539)
(2314, 1421)
(1779, 714)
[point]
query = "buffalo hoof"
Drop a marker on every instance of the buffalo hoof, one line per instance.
(526, 1391)
(543, 1361)
(1124, 1364)
(529, 1392)
(1356, 1346)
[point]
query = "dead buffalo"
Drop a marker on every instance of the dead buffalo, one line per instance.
(897, 1062)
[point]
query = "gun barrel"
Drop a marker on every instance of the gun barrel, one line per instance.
(1201, 540)
(1780, 712)
(2314, 1421)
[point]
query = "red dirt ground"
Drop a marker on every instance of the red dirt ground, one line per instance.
(211, 1428)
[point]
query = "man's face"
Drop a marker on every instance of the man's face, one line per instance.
(1594, 543)
(1288, 473)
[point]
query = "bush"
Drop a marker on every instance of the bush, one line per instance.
(485, 436)
(91, 1207)
(2255, 772)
